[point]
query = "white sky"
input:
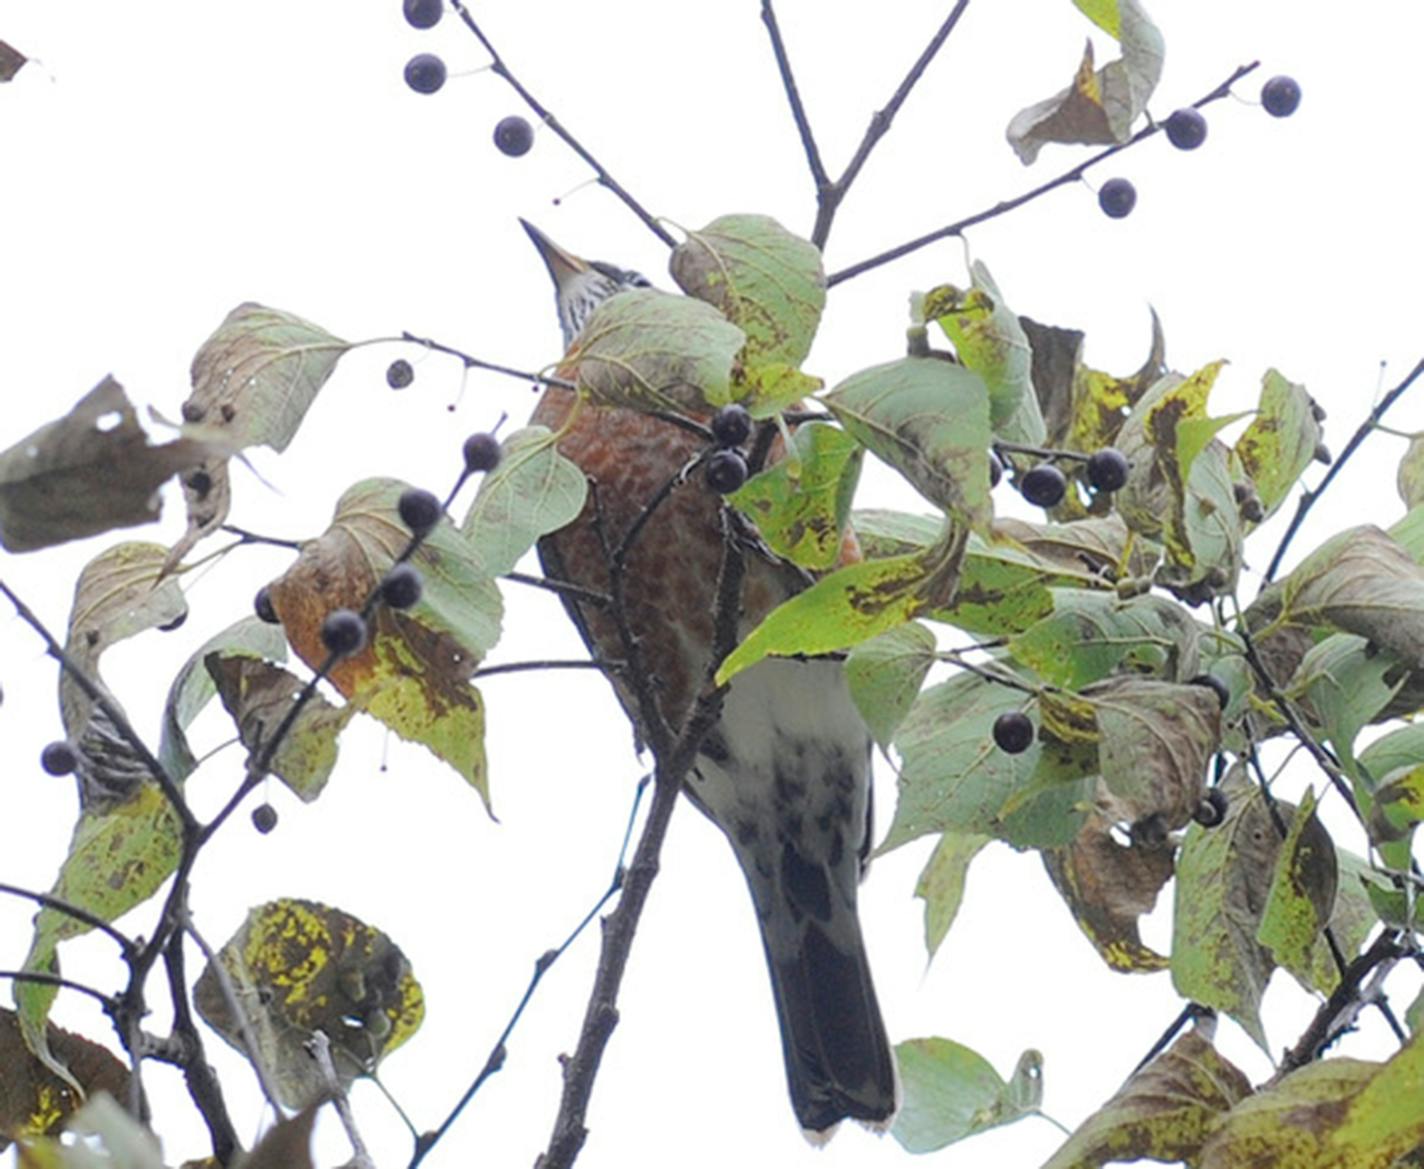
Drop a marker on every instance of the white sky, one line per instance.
(171, 159)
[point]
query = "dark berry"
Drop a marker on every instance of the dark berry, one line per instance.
(343, 632)
(1044, 485)
(419, 510)
(425, 73)
(402, 586)
(59, 758)
(1215, 684)
(264, 818)
(1212, 809)
(200, 483)
(514, 136)
(1252, 510)
(481, 452)
(1186, 129)
(1013, 732)
(731, 425)
(192, 411)
(262, 603)
(423, 13)
(1151, 830)
(1117, 198)
(726, 471)
(1280, 96)
(176, 623)
(399, 374)
(996, 469)
(1107, 469)
(1317, 411)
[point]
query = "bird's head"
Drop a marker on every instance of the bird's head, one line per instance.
(580, 286)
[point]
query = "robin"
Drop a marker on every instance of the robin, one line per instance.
(785, 770)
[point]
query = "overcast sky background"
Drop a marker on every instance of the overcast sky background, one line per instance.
(171, 159)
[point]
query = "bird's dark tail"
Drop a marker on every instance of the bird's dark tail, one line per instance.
(838, 1059)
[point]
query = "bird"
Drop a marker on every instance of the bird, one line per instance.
(785, 770)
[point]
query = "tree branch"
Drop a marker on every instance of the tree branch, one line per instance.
(1072, 175)
(1307, 500)
(793, 98)
(59, 905)
(204, 1088)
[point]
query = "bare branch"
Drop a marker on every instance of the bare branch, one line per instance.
(59, 905)
(793, 98)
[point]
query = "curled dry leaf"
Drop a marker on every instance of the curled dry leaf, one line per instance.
(89, 472)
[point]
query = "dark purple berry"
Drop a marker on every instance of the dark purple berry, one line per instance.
(59, 758)
(1216, 685)
(264, 818)
(731, 425)
(399, 374)
(1280, 96)
(423, 13)
(1186, 129)
(200, 483)
(514, 136)
(1117, 198)
(343, 632)
(1212, 809)
(1107, 469)
(176, 623)
(262, 603)
(726, 471)
(419, 510)
(481, 452)
(996, 469)
(402, 586)
(425, 73)
(1044, 485)
(1013, 732)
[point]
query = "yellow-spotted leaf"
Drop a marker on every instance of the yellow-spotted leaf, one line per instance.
(1281, 440)
(801, 503)
(1302, 891)
(297, 967)
(651, 350)
(852, 605)
(414, 672)
(765, 280)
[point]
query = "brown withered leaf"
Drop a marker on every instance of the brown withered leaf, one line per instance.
(33, 1100)
(89, 472)
(1108, 886)
(11, 61)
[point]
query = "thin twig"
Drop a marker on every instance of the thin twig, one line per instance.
(1072, 175)
(1337, 1013)
(319, 1045)
(494, 367)
(793, 98)
(40, 978)
(577, 592)
(495, 1059)
(59, 905)
(1307, 500)
(498, 66)
(520, 667)
(1189, 1014)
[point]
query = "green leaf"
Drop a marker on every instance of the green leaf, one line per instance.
(533, 491)
(989, 340)
(1409, 479)
(192, 688)
(941, 883)
(1281, 440)
(952, 1092)
(1346, 686)
(763, 278)
(257, 375)
(885, 674)
(953, 778)
(1164, 1112)
(118, 858)
(851, 605)
(1099, 106)
(929, 420)
(801, 503)
(650, 350)
(1222, 875)
(1302, 892)
(1352, 920)
(1091, 635)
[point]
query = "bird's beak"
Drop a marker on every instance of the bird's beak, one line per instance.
(562, 265)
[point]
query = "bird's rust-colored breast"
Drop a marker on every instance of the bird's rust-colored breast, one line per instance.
(671, 573)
